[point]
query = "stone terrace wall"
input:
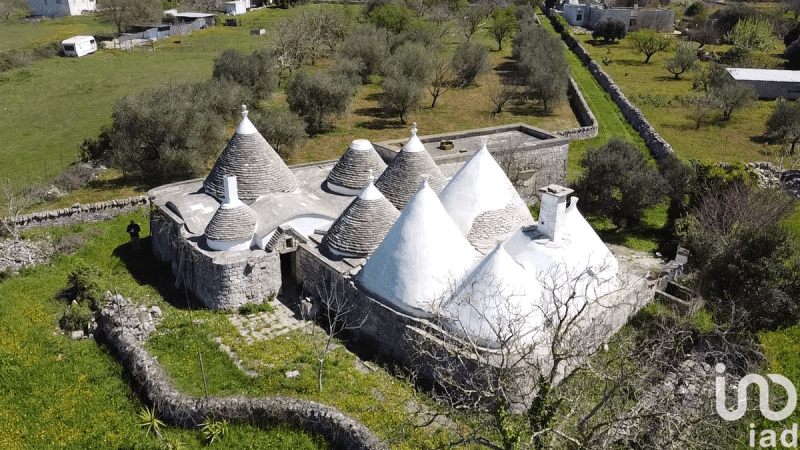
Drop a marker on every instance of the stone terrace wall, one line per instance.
(94, 212)
(117, 328)
(655, 143)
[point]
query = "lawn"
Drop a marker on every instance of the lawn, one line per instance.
(655, 91)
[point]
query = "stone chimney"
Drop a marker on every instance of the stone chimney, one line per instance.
(231, 193)
(552, 210)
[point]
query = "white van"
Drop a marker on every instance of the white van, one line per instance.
(79, 46)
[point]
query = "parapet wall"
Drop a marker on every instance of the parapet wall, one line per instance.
(658, 147)
(116, 329)
(94, 212)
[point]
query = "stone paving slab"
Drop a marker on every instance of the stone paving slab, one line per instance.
(266, 325)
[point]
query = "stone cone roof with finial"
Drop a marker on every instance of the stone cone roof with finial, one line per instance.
(363, 225)
(400, 181)
(257, 167)
(351, 173)
(483, 203)
(422, 256)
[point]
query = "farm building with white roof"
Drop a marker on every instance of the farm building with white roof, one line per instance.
(769, 83)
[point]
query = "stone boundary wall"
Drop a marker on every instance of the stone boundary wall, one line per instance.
(658, 147)
(94, 212)
(583, 113)
(118, 327)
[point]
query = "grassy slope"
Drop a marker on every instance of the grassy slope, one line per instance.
(58, 393)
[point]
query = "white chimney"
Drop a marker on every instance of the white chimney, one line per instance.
(552, 210)
(231, 193)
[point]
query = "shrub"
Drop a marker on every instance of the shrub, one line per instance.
(85, 286)
(696, 8)
(76, 176)
(751, 36)
(76, 317)
(283, 129)
(470, 61)
(610, 30)
(792, 55)
(618, 182)
(792, 35)
(319, 97)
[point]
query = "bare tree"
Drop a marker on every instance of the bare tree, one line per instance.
(557, 384)
(18, 197)
(442, 79)
(500, 94)
(474, 18)
(701, 108)
(337, 314)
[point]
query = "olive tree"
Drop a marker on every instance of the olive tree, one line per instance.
(367, 45)
(540, 57)
(730, 95)
(469, 61)
(283, 129)
(685, 59)
(618, 182)
(256, 72)
(783, 124)
(610, 30)
(406, 74)
(319, 97)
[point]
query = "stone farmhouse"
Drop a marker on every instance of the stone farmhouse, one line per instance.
(403, 235)
(590, 13)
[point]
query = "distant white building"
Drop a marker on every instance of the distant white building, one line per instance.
(589, 14)
(61, 8)
(770, 83)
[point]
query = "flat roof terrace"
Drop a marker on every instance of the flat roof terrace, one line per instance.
(466, 143)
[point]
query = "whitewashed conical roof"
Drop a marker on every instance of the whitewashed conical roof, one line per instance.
(363, 225)
(497, 296)
(401, 178)
(483, 203)
(422, 256)
(257, 167)
(352, 171)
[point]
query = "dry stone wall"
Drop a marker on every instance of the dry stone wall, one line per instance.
(655, 143)
(583, 113)
(121, 328)
(94, 212)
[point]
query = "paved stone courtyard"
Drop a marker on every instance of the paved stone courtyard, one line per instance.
(268, 325)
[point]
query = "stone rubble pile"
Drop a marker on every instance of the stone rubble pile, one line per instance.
(770, 176)
(15, 254)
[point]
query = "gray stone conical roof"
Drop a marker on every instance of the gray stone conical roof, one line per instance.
(400, 181)
(233, 224)
(363, 225)
(255, 164)
(351, 173)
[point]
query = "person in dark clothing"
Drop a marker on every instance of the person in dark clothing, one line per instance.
(133, 230)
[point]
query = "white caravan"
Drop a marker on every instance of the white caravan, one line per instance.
(79, 46)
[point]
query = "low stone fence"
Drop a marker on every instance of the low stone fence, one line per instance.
(120, 327)
(584, 114)
(94, 212)
(655, 143)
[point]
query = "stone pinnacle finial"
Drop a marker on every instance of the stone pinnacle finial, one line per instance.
(414, 128)
(424, 177)
(244, 111)
(371, 177)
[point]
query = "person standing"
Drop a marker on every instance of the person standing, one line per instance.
(133, 230)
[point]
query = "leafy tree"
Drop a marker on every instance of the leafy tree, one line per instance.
(11, 8)
(470, 61)
(730, 96)
(540, 57)
(283, 129)
(783, 125)
(369, 45)
(165, 134)
(123, 13)
(503, 23)
(648, 42)
(696, 9)
(792, 55)
(406, 74)
(256, 71)
(618, 182)
(319, 97)
(744, 255)
(685, 59)
(725, 19)
(392, 17)
(609, 29)
(680, 180)
(751, 36)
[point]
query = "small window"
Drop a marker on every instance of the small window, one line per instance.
(58, 2)
(579, 17)
(69, 48)
(633, 22)
(289, 243)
